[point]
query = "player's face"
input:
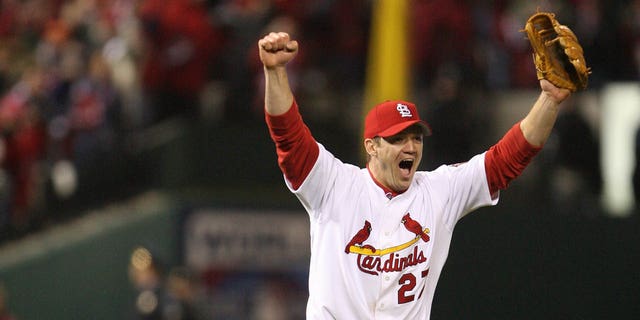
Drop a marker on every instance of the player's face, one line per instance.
(396, 158)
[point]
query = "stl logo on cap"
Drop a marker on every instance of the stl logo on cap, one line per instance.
(404, 110)
(391, 117)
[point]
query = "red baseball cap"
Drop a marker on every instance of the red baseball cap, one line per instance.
(392, 116)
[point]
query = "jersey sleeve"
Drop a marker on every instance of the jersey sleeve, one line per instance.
(296, 148)
(329, 180)
(462, 188)
(506, 160)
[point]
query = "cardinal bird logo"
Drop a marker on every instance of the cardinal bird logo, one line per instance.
(360, 237)
(395, 258)
(414, 227)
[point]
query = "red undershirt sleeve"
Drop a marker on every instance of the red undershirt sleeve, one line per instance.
(507, 159)
(296, 148)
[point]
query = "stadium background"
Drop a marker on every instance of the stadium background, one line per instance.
(133, 138)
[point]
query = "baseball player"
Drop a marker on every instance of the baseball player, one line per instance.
(380, 235)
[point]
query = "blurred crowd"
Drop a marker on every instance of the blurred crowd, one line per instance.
(79, 78)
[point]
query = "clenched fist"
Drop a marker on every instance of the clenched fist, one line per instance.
(277, 49)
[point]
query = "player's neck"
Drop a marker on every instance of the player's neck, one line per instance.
(388, 192)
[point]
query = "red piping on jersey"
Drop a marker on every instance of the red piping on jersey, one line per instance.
(296, 148)
(387, 192)
(507, 159)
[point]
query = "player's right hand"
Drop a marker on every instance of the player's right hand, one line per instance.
(277, 49)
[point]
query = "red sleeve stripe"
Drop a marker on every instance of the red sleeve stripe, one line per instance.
(507, 159)
(296, 148)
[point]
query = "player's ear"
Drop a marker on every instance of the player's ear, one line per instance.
(370, 147)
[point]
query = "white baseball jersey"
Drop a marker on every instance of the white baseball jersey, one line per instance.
(378, 258)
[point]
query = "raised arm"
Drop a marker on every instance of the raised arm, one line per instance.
(561, 69)
(297, 150)
(507, 159)
(276, 50)
(537, 125)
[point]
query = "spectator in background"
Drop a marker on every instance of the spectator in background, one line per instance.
(93, 106)
(122, 48)
(24, 136)
(241, 21)
(521, 70)
(8, 18)
(445, 37)
(180, 44)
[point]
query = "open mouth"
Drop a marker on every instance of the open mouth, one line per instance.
(406, 164)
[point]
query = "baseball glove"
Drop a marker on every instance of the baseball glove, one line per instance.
(557, 54)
